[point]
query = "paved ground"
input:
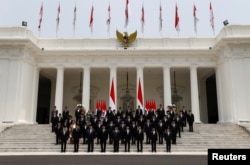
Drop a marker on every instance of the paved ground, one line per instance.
(105, 160)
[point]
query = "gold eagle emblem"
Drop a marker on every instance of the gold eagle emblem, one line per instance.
(125, 38)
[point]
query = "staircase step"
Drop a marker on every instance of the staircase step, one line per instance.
(39, 138)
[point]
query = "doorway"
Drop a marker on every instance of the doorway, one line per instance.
(43, 102)
(212, 105)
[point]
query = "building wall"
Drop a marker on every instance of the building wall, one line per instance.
(22, 55)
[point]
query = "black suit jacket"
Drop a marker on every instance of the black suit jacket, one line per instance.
(64, 135)
(153, 136)
(139, 135)
(103, 135)
(90, 135)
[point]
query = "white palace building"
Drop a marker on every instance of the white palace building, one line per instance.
(210, 76)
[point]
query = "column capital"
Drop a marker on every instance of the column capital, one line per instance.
(86, 67)
(112, 67)
(139, 66)
(193, 66)
(166, 65)
(60, 67)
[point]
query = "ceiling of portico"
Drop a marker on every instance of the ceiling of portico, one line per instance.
(99, 75)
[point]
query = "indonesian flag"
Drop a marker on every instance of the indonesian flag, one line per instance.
(142, 19)
(211, 16)
(195, 19)
(58, 17)
(74, 19)
(104, 105)
(160, 19)
(109, 19)
(177, 19)
(91, 20)
(127, 13)
(154, 105)
(139, 94)
(98, 104)
(112, 96)
(41, 18)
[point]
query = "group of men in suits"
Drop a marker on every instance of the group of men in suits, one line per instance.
(125, 127)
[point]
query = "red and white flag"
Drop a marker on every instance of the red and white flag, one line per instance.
(140, 94)
(142, 19)
(177, 19)
(127, 13)
(109, 19)
(58, 18)
(41, 18)
(211, 16)
(195, 19)
(91, 20)
(112, 102)
(160, 19)
(74, 18)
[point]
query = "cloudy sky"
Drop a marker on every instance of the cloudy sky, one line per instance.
(13, 12)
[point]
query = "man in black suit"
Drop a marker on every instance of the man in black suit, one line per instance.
(116, 138)
(65, 113)
(127, 134)
(168, 139)
(139, 111)
(160, 111)
(103, 135)
(133, 128)
(160, 130)
(147, 130)
(190, 120)
(64, 136)
(110, 114)
(54, 120)
(128, 111)
(174, 129)
(185, 113)
(153, 139)
(139, 139)
(110, 128)
(78, 111)
(76, 136)
(90, 135)
(58, 130)
(98, 128)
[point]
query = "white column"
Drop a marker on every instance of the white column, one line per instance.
(59, 89)
(140, 76)
(194, 94)
(113, 77)
(167, 86)
(35, 95)
(86, 88)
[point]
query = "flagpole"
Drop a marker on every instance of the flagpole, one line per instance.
(109, 18)
(74, 20)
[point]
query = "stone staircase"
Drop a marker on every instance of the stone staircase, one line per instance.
(39, 138)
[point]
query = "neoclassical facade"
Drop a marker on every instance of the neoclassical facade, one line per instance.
(209, 76)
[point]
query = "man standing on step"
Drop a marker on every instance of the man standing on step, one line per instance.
(116, 136)
(127, 134)
(139, 139)
(90, 135)
(54, 120)
(190, 119)
(103, 135)
(76, 136)
(168, 139)
(64, 136)
(153, 139)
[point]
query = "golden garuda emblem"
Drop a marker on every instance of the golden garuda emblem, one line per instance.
(125, 39)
